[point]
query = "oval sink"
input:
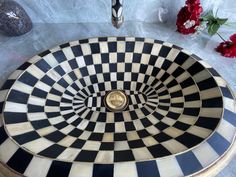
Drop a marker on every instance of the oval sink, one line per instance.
(117, 99)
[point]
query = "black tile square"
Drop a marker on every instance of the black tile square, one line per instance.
(181, 58)
(95, 48)
(52, 103)
(77, 51)
(96, 136)
(136, 144)
(18, 97)
(88, 60)
(118, 117)
(61, 125)
(75, 132)
(47, 80)
(14, 117)
(207, 84)
(35, 108)
(161, 137)
(84, 71)
(86, 156)
(181, 126)
(110, 127)
(120, 57)
(126, 155)
(63, 83)
(146, 122)
(3, 134)
(79, 143)
(192, 97)
(24, 66)
(157, 115)
(178, 71)
(207, 122)
(164, 51)
(189, 140)
(17, 163)
(176, 94)
(191, 111)
(83, 41)
(98, 68)
(102, 117)
(73, 64)
(60, 56)
(129, 126)
(195, 68)
(143, 68)
(102, 39)
(90, 126)
(147, 48)
(112, 46)
(103, 170)
(113, 67)
(64, 45)
(55, 92)
(129, 46)
(166, 64)
(173, 115)
(8, 84)
(59, 70)
(137, 57)
(43, 65)
(28, 79)
(55, 136)
(186, 83)
(59, 169)
(38, 124)
(42, 54)
(39, 93)
(120, 137)
(226, 92)
(53, 151)
(212, 103)
(143, 133)
(107, 146)
(26, 137)
(158, 151)
(155, 71)
(161, 126)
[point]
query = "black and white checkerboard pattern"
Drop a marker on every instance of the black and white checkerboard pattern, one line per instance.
(55, 110)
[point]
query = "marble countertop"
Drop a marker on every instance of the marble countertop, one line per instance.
(16, 50)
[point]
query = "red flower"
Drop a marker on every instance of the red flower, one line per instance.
(192, 2)
(188, 18)
(187, 22)
(228, 48)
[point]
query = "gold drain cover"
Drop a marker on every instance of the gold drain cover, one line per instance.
(116, 100)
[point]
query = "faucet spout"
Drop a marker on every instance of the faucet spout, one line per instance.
(117, 13)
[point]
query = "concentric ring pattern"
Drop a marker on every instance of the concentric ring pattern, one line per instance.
(55, 108)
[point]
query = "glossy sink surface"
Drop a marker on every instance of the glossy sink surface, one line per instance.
(61, 104)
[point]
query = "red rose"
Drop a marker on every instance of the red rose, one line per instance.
(188, 18)
(195, 9)
(228, 48)
(192, 2)
(187, 22)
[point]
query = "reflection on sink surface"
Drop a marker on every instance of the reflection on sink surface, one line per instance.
(106, 100)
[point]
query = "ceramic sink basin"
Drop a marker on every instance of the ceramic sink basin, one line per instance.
(99, 107)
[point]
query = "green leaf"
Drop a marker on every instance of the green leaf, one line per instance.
(221, 21)
(208, 16)
(213, 28)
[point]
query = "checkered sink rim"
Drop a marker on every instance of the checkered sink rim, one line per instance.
(178, 104)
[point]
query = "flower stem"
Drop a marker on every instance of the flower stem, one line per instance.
(221, 37)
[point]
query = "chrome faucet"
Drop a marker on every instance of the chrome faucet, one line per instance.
(117, 13)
